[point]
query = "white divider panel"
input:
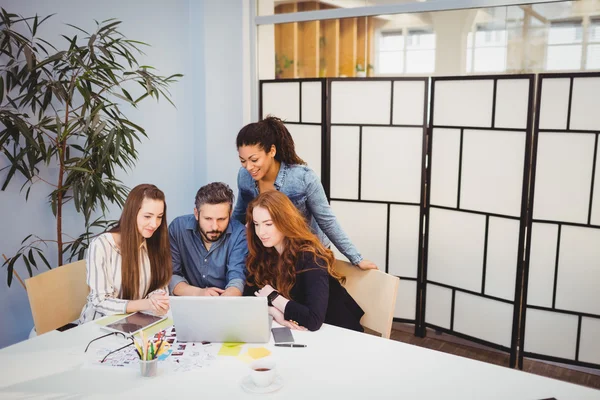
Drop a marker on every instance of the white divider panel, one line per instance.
(595, 217)
(512, 103)
(554, 103)
(307, 140)
(361, 102)
(369, 235)
(492, 171)
(589, 345)
(502, 256)
(406, 302)
(281, 99)
(444, 169)
(409, 101)
(404, 240)
(345, 144)
(463, 103)
(455, 256)
(563, 176)
(578, 284)
(311, 102)
(584, 104)
(564, 254)
(542, 261)
(391, 164)
(438, 307)
(551, 333)
(483, 318)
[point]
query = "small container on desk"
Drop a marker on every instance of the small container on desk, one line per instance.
(149, 368)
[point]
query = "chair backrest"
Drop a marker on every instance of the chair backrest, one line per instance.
(57, 296)
(375, 292)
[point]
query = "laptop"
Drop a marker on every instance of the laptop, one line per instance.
(221, 319)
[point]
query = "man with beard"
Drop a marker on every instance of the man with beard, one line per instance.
(209, 248)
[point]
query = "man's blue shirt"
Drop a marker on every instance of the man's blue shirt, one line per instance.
(223, 266)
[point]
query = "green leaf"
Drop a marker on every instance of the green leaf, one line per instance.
(35, 25)
(79, 169)
(124, 98)
(27, 264)
(27, 237)
(29, 57)
(105, 27)
(79, 29)
(11, 266)
(44, 259)
(31, 259)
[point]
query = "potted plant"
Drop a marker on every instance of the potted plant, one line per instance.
(63, 109)
(360, 71)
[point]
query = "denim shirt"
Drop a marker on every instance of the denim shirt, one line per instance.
(303, 187)
(223, 266)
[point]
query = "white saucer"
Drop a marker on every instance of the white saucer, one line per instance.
(250, 387)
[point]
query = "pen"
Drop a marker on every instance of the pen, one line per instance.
(289, 345)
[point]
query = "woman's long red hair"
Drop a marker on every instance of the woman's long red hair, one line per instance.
(264, 264)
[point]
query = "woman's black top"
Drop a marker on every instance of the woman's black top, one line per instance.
(317, 297)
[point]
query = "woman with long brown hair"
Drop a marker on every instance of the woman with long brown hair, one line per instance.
(129, 267)
(290, 266)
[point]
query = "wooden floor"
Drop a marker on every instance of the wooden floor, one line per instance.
(449, 344)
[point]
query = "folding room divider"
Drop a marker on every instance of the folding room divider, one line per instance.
(444, 205)
(562, 283)
(480, 130)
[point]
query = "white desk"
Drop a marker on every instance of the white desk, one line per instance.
(336, 364)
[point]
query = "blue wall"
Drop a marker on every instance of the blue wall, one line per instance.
(187, 146)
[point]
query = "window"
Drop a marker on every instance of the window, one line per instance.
(411, 51)
(593, 48)
(391, 53)
(420, 52)
(564, 50)
(486, 49)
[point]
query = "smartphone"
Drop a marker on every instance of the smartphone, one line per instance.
(282, 335)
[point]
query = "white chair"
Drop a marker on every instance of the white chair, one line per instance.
(375, 292)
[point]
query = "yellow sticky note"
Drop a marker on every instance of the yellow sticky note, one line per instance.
(230, 349)
(245, 358)
(258, 352)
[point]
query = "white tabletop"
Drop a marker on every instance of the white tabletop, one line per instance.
(336, 363)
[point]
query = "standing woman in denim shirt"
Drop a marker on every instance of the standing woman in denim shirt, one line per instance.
(269, 162)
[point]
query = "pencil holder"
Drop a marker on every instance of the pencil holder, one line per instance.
(149, 368)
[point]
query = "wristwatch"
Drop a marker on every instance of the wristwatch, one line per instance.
(272, 296)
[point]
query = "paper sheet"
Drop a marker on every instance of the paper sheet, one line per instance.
(258, 352)
(230, 349)
(181, 357)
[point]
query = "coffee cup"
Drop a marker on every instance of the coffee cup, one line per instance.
(262, 372)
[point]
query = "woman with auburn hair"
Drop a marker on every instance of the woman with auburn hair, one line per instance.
(129, 267)
(269, 162)
(289, 266)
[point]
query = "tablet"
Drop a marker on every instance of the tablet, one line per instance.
(134, 323)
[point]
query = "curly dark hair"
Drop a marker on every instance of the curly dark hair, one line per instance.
(214, 193)
(267, 133)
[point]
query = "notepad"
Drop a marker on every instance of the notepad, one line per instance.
(230, 349)
(258, 352)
